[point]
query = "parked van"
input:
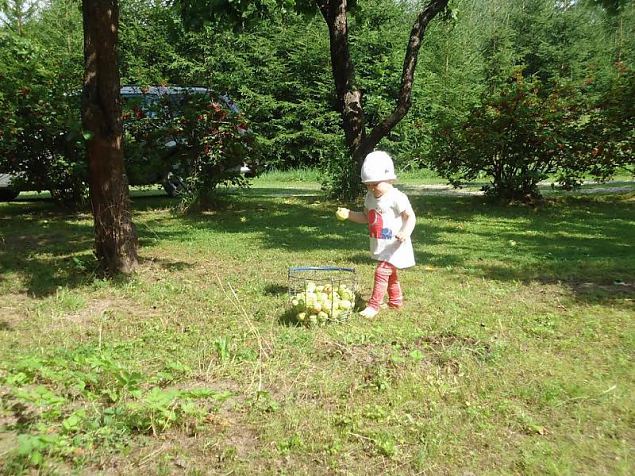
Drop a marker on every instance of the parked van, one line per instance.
(7, 191)
(144, 103)
(167, 102)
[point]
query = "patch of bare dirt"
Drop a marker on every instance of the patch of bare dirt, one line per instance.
(224, 442)
(363, 354)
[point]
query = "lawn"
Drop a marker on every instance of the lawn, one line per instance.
(513, 354)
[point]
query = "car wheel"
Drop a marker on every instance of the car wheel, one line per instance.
(174, 185)
(8, 194)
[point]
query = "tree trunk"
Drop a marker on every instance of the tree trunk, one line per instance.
(349, 98)
(115, 235)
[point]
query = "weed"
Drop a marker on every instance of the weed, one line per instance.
(41, 395)
(222, 346)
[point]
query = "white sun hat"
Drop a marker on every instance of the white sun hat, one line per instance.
(378, 167)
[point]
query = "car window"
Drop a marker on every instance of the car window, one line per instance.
(148, 101)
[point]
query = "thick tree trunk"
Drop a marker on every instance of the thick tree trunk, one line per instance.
(115, 235)
(349, 98)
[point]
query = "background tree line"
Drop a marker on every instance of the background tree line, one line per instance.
(509, 91)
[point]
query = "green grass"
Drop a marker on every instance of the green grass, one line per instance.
(312, 178)
(513, 354)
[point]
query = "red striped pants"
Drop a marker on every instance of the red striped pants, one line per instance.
(386, 279)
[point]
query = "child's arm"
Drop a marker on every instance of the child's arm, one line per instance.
(409, 221)
(355, 217)
(358, 217)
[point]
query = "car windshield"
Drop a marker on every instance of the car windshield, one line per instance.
(149, 99)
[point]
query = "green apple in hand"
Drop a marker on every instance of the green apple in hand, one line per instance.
(342, 213)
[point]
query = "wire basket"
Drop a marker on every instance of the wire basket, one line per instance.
(321, 294)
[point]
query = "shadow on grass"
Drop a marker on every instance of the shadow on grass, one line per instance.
(46, 247)
(585, 242)
(275, 290)
(288, 318)
(50, 247)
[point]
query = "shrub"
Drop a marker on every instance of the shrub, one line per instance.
(609, 129)
(40, 133)
(197, 137)
(516, 137)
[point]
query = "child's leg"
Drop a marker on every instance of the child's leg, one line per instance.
(395, 296)
(382, 275)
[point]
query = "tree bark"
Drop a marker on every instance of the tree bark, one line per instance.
(115, 235)
(349, 98)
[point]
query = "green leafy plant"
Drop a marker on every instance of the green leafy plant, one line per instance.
(160, 409)
(519, 135)
(223, 348)
(385, 444)
(42, 393)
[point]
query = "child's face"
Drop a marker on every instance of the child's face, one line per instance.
(378, 188)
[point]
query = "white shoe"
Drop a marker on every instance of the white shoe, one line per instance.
(369, 313)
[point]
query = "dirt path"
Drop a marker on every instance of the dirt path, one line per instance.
(588, 187)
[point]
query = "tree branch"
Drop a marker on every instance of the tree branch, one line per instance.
(407, 77)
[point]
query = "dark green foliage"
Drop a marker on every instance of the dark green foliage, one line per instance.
(275, 63)
(563, 118)
(279, 73)
(339, 180)
(154, 48)
(609, 130)
(40, 121)
(613, 7)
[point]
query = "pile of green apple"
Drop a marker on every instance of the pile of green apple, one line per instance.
(318, 304)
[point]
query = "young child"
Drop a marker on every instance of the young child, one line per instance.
(390, 219)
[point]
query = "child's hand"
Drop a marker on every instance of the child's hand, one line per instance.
(342, 213)
(401, 236)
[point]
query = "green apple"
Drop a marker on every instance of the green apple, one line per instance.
(342, 213)
(347, 295)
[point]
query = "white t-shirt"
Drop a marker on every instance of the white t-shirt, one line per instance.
(384, 222)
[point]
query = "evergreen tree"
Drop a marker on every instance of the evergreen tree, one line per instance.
(15, 14)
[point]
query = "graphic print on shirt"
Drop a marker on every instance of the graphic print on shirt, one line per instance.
(376, 226)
